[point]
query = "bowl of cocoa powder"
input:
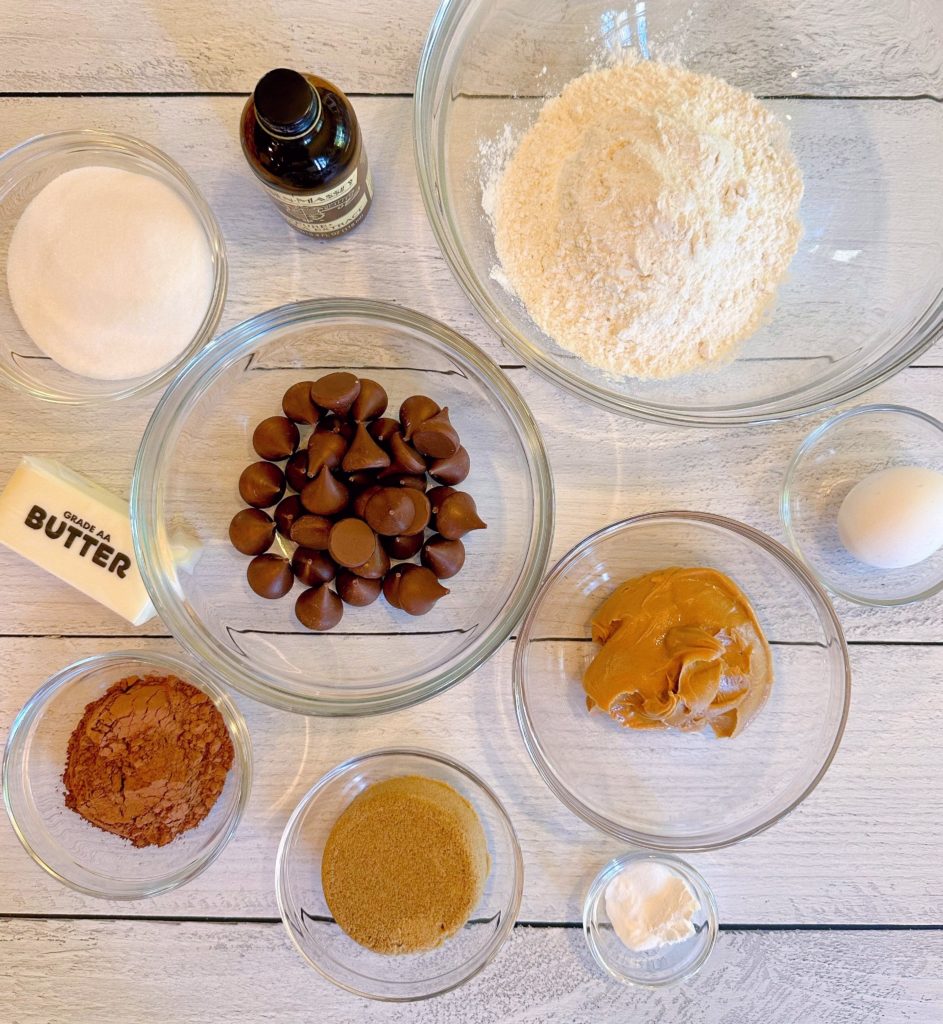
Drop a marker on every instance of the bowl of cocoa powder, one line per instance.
(126, 774)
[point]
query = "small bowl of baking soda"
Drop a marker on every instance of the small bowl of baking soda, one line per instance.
(650, 919)
(112, 267)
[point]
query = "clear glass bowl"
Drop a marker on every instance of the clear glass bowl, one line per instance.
(25, 170)
(863, 294)
(829, 462)
(198, 442)
(64, 844)
(664, 789)
(654, 968)
(329, 949)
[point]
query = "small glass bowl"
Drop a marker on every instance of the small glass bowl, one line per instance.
(60, 841)
(200, 439)
(655, 968)
(25, 170)
(664, 789)
(829, 462)
(329, 949)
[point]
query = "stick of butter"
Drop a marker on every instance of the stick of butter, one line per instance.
(78, 531)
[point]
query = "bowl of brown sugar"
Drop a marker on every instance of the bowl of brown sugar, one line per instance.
(126, 774)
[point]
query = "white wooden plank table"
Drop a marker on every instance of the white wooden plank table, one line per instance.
(835, 915)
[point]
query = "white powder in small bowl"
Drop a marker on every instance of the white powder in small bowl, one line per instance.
(110, 273)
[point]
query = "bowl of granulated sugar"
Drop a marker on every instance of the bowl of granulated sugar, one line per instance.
(112, 267)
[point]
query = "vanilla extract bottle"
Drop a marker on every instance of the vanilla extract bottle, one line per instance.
(302, 140)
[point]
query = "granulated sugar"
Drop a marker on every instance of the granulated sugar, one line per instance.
(647, 217)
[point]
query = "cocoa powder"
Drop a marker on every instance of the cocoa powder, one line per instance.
(148, 760)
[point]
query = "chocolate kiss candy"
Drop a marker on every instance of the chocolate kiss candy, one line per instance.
(336, 391)
(352, 543)
(252, 531)
(422, 511)
(413, 588)
(414, 411)
(452, 470)
(311, 531)
(401, 546)
(359, 506)
(406, 480)
(371, 402)
(287, 512)
(383, 429)
(324, 495)
(364, 453)
(324, 450)
(261, 484)
(296, 470)
(376, 568)
(270, 576)
(405, 458)
(332, 424)
(357, 590)
(444, 557)
(390, 511)
(319, 608)
(297, 404)
(359, 481)
(436, 436)
(456, 514)
(275, 438)
(312, 567)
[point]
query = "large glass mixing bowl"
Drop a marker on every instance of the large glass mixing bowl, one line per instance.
(185, 483)
(863, 294)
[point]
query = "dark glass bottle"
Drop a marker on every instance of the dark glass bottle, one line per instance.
(302, 140)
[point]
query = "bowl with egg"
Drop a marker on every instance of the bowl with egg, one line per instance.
(679, 211)
(699, 670)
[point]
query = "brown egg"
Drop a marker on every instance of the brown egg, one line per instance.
(319, 608)
(252, 531)
(270, 576)
(262, 484)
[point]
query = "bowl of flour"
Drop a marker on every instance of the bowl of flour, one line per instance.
(112, 266)
(674, 211)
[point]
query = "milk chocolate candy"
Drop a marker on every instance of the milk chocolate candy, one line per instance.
(324, 495)
(331, 424)
(415, 410)
(436, 437)
(297, 404)
(455, 514)
(383, 429)
(364, 453)
(412, 588)
(252, 531)
(296, 470)
(452, 470)
(359, 504)
(311, 531)
(262, 484)
(422, 511)
(287, 511)
(352, 542)
(371, 402)
(336, 392)
(401, 546)
(275, 438)
(357, 590)
(319, 608)
(358, 481)
(404, 458)
(406, 480)
(389, 511)
(270, 576)
(444, 557)
(312, 568)
(326, 449)
(376, 568)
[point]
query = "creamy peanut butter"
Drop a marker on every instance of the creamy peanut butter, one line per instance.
(681, 648)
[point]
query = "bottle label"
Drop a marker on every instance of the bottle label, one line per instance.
(330, 213)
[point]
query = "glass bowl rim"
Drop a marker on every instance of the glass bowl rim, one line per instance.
(177, 402)
(39, 147)
(430, 168)
(482, 788)
(826, 615)
(787, 492)
(597, 890)
(32, 711)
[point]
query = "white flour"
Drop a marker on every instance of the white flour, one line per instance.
(646, 217)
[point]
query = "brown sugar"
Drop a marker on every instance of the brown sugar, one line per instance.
(405, 865)
(148, 760)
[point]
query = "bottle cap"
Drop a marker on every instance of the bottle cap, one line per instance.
(285, 102)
